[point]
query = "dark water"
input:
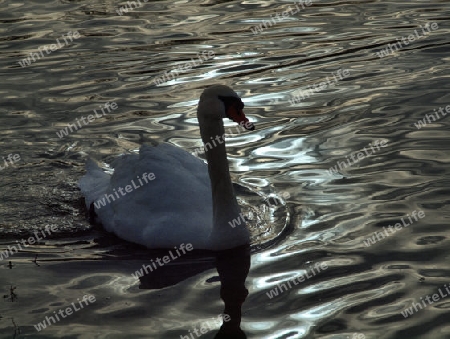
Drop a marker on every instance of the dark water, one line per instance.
(352, 98)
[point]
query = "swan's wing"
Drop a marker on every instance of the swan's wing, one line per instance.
(173, 208)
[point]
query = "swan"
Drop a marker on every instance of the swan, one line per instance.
(176, 200)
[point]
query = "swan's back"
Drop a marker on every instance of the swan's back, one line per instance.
(173, 208)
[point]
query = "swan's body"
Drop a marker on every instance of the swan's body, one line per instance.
(182, 204)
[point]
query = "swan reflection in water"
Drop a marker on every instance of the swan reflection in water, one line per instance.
(232, 265)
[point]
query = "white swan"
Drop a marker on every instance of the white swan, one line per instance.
(181, 205)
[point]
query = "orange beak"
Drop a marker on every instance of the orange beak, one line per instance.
(237, 115)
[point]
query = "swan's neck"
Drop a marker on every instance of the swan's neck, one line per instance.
(225, 207)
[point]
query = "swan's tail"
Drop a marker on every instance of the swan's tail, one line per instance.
(94, 183)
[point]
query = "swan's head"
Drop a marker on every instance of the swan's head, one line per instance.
(219, 102)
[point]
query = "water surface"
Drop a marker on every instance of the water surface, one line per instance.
(119, 59)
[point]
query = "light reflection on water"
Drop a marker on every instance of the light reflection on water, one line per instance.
(117, 58)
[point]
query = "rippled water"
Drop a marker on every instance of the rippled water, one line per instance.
(365, 98)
